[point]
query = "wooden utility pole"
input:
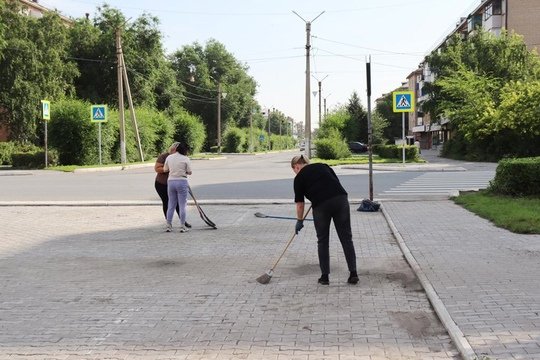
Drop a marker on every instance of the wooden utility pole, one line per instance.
(123, 80)
(132, 109)
(121, 98)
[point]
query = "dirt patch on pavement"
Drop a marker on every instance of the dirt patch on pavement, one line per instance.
(418, 324)
(307, 269)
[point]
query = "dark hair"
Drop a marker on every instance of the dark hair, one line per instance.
(182, 149)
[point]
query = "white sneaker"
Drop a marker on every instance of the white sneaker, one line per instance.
(168, 228)
(184, 229)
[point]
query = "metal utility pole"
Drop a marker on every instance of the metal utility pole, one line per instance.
(320, 97)
(370, 129)
(325, 111)
(219, 118)
(269, 145)
(121, 98)
(251, 129)
(308, 90)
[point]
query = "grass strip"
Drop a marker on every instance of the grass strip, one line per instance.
(519, 215)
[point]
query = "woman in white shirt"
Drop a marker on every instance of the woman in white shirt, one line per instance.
(179, 167)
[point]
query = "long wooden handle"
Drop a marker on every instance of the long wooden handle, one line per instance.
(290, 241)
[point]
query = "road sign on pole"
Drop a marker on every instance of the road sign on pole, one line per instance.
(403, 101)
(45, 110)
(98, 114)
(46, 115)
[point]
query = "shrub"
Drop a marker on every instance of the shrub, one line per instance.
(396, 151)
(517, 177)
(260, 139)
(332, 147)
(6, 150)
(155, 132)
(234, 140)
(76, 138)
(281, 142)
(34, 159)
(189, 129)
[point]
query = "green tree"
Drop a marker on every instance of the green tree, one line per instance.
(152, 80)
(205, 71)
(385, 110)
(356, 127)
(2, 30)
(484, 86)
(378, 127)
(34, 65)
(335, 120)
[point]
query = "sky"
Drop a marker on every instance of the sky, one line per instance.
(270, 39)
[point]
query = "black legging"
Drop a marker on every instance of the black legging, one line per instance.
(337, 209)
(162, 192)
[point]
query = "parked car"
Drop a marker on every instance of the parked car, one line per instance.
(357, 147)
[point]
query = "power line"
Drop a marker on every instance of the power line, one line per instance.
(372, 49)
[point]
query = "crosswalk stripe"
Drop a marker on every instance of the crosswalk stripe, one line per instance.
(443, 183)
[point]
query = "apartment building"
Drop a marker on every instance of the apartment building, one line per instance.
(520, 16)
(35, 9)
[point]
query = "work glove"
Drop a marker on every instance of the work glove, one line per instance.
(299, 225)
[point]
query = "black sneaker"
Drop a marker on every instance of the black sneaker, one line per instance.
(323, 280)
(353, 279)
(188, 225)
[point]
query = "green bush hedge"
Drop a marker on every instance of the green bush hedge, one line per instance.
(396, 151)
(282, 142)
(34, 159)
(517, 177)
(189, 129)
(6, 150)
(234, 140)
(333, 146)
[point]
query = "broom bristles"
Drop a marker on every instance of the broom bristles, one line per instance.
(265, 278)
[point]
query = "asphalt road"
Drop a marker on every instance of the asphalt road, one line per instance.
(263, 176)
(266, 176)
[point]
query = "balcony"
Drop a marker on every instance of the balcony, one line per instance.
(473, 22)
(493, 24)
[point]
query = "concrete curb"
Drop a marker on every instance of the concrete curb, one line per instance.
(407, 168)
(82, 203)
(202, 202)
(455, 333)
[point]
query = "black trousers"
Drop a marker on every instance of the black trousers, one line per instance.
(337, 209)
(162, 192)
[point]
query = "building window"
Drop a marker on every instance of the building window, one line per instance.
(494, 8)
(474, 21)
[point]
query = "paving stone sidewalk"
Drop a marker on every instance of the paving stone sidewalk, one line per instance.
(108, 283)
(488, 278)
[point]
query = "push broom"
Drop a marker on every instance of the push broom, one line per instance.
(201, 212)
(266, 277)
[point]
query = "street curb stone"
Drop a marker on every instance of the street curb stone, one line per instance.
(457, 336)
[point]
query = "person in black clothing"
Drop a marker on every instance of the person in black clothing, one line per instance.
(161, 180)
(320, 185)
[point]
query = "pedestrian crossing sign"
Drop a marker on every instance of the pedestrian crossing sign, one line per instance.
(98, 113)
(403, 101)
(45, 110)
